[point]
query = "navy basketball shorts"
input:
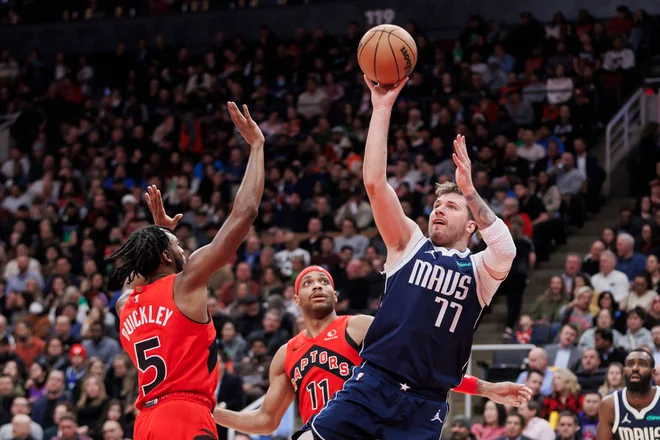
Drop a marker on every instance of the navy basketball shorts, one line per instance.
(374, 405)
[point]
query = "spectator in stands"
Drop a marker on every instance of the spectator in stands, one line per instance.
(355, 208)
(560, 87)
(570, 183)
(528, 332)
(564, 396)
(653, 317)
(20, 427)
(571, 268)
(535, 427)
(537, 360)
(232, 343)
(619, 58)
(591, 261)
(100, 345)
(28, 347)
(112, 430)
(628, 261)
(68, 429)
(513, 428)
(568, 426)
(350, 237)
(227, 293)
(589, 415)
(603, 321)
(608, 352)
(460, 429)
(589, 167)
(609, 279)
(90, 406)
(641, 295)
(530, 150)
(589, 373)
(577, 312)
(271, 334)
(21, 406)
(284, 259)
(43, 408)
(77, 368)
(519, 110)
(655, 348)
(494, 419)
(636, 336)
(17, 282)
(547, 306)
(254, 370)
(229, 393)
(613, 380)
(564, 354)
(64, 331)
(312, 101)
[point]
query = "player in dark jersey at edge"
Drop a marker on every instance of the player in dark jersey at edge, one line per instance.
(315, 363)
(164, 325)
(420, 341)
(632, 413)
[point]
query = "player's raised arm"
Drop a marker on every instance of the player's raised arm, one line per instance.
(606, 418)
(208, 259)
(267, 418)
(393, 225)
(501, 250)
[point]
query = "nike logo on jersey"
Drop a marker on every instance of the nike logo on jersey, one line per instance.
(296, 348)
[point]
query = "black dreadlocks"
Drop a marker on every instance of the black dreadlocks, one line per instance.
(140, 254)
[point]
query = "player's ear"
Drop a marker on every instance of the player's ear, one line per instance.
(472, 226)
(166, 257)
(336, 297)
(296, 300)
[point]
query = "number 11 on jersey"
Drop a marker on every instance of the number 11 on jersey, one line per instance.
(443, 309)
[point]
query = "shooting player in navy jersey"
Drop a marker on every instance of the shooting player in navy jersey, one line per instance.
(633, 412)
(419, 343)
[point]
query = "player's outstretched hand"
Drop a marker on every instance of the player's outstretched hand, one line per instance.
(246, 125)
(508, 393)
(155, 203)
(463, 165)
(384, 96)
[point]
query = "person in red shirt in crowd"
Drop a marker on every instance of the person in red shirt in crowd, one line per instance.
(315, 364)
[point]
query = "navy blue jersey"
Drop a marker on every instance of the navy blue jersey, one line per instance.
(631, 424)
(431, 307)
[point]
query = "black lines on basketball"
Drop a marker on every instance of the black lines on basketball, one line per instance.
(376, 56)
(361, 49)
(413, 52)
(396, 63)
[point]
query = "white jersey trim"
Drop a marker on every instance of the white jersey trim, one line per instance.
(639, 415)
(416, 242)
(617, 413)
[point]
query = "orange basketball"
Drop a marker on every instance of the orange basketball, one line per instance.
(387, 54)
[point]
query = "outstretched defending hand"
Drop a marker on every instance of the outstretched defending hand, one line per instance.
(155, 203)
(463, 166)
(508, 393)
(384, 96)
(246, 125)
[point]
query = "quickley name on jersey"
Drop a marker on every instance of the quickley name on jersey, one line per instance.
(631, 424)
(423, 330)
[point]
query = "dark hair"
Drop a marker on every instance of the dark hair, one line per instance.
(450, 188)
(571, 415)
(639, 312)
(141, 254)
(534, 405)
(534, 370)
(69, 416)
(501, 413)
(641, 350)
(615, 304)
(520, 418)
(606, 334)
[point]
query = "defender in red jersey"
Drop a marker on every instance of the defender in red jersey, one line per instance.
(315, 364)
(164, 323)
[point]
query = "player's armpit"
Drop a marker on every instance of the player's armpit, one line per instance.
(267, 418)
(357, 327)
(606, 419)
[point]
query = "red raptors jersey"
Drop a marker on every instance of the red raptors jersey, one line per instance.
(171, 352)
(318, 367)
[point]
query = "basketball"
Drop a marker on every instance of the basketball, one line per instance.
(387, 54)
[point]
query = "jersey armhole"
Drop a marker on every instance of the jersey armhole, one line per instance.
(351, 341)
(208, 312)
(617, 414)
(417, 240)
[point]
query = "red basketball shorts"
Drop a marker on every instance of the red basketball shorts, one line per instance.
(175, 419)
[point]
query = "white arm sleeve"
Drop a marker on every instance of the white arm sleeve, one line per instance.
(498, 256)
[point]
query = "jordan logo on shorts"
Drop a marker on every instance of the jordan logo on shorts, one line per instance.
(437, 417)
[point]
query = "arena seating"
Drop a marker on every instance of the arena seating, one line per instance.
(89, 132)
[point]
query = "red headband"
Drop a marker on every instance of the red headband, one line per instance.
(309, 269)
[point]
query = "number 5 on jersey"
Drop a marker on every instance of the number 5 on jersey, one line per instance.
(145, 362)
(443, 309)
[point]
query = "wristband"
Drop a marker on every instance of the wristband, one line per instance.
(468, 385)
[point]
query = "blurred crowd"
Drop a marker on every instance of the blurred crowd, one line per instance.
(90, 132)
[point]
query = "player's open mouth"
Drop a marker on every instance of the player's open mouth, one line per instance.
(440, 221)
(635, 376)
(318, 297)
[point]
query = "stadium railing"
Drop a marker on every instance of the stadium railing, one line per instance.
(622, 132)
(489, 348)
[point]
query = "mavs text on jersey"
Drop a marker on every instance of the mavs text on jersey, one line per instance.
(631, 424)
(433, 301)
